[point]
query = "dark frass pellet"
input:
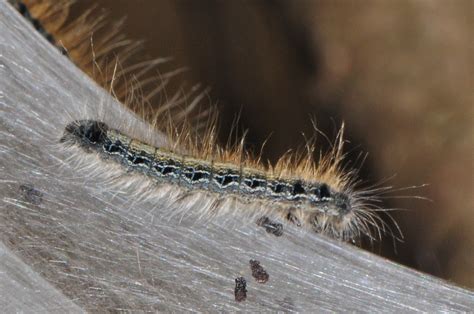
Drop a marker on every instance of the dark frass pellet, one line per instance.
(271, 227)
(240, 290)
(258, 272)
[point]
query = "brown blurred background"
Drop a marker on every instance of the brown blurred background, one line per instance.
(400, 74)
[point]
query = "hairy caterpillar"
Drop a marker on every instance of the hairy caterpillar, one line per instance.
(318, 196)
(310, 202)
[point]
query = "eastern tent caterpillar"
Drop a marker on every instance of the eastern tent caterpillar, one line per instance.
(307, 200)
(25, 12)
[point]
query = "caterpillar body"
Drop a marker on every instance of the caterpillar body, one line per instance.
(310, 203)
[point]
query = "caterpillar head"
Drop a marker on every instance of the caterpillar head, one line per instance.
(87, 133)
(334, 215)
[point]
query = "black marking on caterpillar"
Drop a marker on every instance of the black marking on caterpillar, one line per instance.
(240, 290)
(311, 204)
(274, 228)
(23, 10)
(258, 272)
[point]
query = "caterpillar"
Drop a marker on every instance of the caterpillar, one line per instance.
(309, 202)
(318, 196)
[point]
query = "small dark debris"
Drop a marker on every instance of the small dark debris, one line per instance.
(258, 272)
(30, 194)
(274, 228)
(293, 219)
(240, 290)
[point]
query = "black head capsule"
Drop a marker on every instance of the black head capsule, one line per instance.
(87, 133)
